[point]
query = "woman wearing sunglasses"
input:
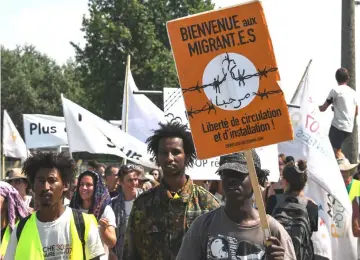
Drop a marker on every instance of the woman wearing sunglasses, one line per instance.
(92, 197)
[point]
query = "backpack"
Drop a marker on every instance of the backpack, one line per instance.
(79, 223)
(292, 214)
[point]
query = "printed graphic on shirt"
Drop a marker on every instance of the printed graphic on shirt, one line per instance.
(57, 252)
(229, 248)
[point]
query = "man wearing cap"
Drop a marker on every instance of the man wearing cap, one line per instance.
(234, 231)
(19, 181)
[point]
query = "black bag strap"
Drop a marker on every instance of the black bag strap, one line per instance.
(80, 227)
(21, 225)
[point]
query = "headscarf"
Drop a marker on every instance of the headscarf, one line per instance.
(101, 197)
(16, 207)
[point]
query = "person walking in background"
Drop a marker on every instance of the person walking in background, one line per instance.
(19, 181)
(92, 197)
(70, 193)
(294, 205)
(111, 179)
(12, 209)
(53, 230)
(353, 189)
(161, 216)
(343, 99)
(123, 203)
(157, 174)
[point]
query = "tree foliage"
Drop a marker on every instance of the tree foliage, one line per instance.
(116, 28)
(31, 83)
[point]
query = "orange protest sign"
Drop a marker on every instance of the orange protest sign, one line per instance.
(229, 79)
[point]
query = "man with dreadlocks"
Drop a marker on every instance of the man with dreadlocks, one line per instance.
(234, 231)
(161, 216)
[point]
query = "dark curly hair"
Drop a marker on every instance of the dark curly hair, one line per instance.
(61, 161)
(296, 175)
(342, 75)
(172, 129)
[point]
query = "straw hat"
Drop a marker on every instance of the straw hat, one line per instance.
(345, 165)
(15, 174)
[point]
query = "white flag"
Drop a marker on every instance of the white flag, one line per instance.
(13, 144)
(325, 185)
(141, 115)
(89, 133)
(44, 130)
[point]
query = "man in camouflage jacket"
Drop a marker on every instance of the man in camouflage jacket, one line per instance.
(161, 216)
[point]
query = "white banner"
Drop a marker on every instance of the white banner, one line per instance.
(44, 131)
(13, 144)
(325, 185)
(48, 131)
(89, 133)
(140, 115)
(174, 110)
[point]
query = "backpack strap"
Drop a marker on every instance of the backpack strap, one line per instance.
(80, 227)
(21, 225)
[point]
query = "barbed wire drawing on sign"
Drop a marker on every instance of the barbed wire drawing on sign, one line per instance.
(264, 94)
(241, 76)
(208, 107)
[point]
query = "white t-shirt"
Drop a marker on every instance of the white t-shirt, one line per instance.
(109, 215)
(128, 207)
(344, 101)
(56, 240)
(27, 201)
(66, 202)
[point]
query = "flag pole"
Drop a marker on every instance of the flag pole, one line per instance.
(126, 89)
(300, 83)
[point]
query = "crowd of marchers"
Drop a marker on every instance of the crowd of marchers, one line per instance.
(121, 212)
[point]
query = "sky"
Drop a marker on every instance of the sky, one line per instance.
(300, 31)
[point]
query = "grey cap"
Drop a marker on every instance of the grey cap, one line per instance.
(237, 162)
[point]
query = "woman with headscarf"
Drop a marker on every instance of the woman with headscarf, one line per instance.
(12, 210)
(92, 197)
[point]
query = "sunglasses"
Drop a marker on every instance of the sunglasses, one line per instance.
(18, 181)
(131, 166)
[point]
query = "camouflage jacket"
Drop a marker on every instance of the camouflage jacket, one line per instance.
(158, 222)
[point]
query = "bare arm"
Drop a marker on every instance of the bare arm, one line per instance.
(324, 106)
(107, 233)
(356, 110)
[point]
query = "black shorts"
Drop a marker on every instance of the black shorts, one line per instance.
(337, 137)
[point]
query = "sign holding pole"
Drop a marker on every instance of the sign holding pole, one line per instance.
(229, 79)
